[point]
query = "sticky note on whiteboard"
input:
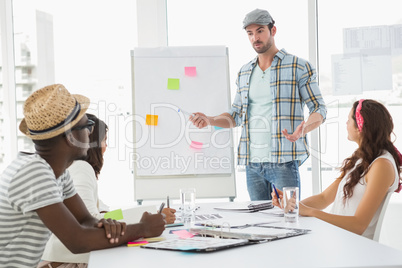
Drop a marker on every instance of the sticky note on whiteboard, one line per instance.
(151, 120)
(190, 71)
(173, 83)
(196, 145)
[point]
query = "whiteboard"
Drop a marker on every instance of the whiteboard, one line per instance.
(168, 149)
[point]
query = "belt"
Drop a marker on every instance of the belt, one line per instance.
(55, 264)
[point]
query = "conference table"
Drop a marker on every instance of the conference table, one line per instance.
(324, 246)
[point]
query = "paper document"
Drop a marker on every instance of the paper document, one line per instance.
(273, 212)
(236, 223)
(256, 234)
(134, 214)
(251, 206)
(201, 217)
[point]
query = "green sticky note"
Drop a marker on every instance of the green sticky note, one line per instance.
(114, 215)
(173, 83)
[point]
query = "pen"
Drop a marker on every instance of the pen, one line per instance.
(174, 224)
(167, 202)
(277, 195)
(161, 207)
(185, 112)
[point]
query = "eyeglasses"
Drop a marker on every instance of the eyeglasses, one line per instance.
(89, 125)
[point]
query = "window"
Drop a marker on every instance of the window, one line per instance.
(195, 23)
(84, 45)
(359, 57)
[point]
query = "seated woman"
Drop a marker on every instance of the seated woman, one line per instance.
(85, 175)
(366, 177)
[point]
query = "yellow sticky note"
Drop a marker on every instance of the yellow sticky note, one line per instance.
(154, 239)
(114, 215)
(151, 120)
(173, 83)
(137, 243)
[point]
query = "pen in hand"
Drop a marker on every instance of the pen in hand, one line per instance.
(277, 195)
(168, 202)
(161, 207)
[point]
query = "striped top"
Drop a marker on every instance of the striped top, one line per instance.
(293, 85)
(27, 184)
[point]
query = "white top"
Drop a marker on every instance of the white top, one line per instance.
(26, 185)
(86, 184)
(349, 207)
(260, 114)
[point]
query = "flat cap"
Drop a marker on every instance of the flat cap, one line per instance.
(257, 16)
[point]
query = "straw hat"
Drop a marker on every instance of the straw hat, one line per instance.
(51, 111)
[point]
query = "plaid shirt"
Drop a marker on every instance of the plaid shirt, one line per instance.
(293, 85)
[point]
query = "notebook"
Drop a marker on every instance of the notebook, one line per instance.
(133, 215)
(197, 244)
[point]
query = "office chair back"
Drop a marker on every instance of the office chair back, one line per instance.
(377, 231)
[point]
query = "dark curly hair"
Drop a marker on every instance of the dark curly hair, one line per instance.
(94, 154)
(376, 138)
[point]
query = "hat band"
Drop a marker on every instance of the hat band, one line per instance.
(74, 113)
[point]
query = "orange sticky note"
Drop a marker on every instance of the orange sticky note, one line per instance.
(190, 71)
(151, 120)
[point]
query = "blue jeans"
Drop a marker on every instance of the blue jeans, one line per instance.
(261, 175)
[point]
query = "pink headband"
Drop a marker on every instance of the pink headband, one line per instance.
(359, 117)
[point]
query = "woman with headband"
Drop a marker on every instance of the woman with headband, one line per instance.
(367, 177)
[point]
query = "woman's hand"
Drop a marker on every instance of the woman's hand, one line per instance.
(170, 215)
(152, 224)
(305, 210)
(290, 204)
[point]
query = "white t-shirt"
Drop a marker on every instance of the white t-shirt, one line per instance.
(86, 184)
(260, 115)
(26, 185)
(350, 206)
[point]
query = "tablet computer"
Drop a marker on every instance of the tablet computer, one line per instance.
(197, 244)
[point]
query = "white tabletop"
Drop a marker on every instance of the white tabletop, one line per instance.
(325, 246)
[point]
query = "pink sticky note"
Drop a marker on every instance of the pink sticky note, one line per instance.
(196, 145)
(138, 242)
(190, 71)
(183, 234)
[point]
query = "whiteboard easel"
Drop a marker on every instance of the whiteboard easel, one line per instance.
(207, 91)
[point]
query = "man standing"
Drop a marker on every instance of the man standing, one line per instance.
(272, 91)
(37, 195)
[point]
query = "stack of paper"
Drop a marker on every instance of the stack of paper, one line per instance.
(252, 206)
